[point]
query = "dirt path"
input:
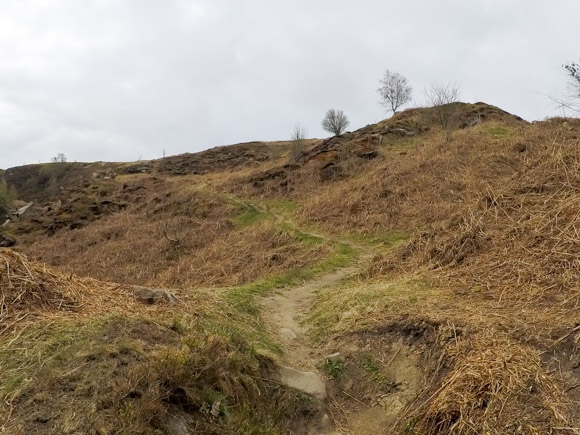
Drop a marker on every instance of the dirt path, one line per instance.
(284, 312)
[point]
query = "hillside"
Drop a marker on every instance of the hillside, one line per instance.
(385, 281)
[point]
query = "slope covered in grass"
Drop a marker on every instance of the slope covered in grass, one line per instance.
(83, 356)
(475, 274)
(173, 232)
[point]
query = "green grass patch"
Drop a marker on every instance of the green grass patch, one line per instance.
(248, 215)
(303, 237)
(497, 132)
(244, 297)
(334, 367)
(384, 239)
(355, 304)
(281, 206)
(121, 375)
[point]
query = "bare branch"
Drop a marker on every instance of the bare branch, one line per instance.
(442, 96)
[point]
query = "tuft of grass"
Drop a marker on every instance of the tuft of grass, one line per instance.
(357, 304)
(334, 367)
(497, 132)
(244, 297)
(308, 239)
(383, 239)
(373, 369)
(282, 206)
(398, 144)
(249, 215)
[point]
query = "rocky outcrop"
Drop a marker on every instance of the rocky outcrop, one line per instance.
(306, 382)
(150, 296)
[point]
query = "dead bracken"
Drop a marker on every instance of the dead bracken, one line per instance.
(424, 283)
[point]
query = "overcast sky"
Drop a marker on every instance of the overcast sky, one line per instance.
(125, 79)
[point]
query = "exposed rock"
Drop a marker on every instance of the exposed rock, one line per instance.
(23, 209)
(325, 423)
(288, 334)
(6, 241)
(307, 382)
(179, 424)
(272, 174)
(106, 174)
(151, 296)
(215, 159)
(329, 171)
(332, 356)
(368, 155)
(139, 169)
(400, 132)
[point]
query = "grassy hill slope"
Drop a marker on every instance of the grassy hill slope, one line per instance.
(468, 272)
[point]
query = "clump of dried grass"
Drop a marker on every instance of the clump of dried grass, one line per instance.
(416, 188)
(518, 240)
(29, 290)
(494, 386)
(25, 286)
(510, 261)
(242, 256)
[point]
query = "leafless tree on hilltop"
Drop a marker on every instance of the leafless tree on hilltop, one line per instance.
(335, 122)
(395, 90)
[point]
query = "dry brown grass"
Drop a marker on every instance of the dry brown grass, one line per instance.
(497, 223)
(496, 214)
(493, 386)
(178, 235)
(509, 261)
(516, 243)
(419, 186)
(29, 290)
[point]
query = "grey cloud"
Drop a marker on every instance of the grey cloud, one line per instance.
(120, 79)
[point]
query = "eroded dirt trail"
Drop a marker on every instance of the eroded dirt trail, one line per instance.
(285, 311)
(340, 411)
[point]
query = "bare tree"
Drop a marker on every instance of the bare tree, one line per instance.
(395, 90)
(574, 72)
(335, 122)
(571, 100)
(298, 138)
(442, 97)
(60, 158)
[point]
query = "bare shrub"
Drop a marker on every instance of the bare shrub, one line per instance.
(572, 99)
(298, 141)
(442, 96)
(59, 158)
